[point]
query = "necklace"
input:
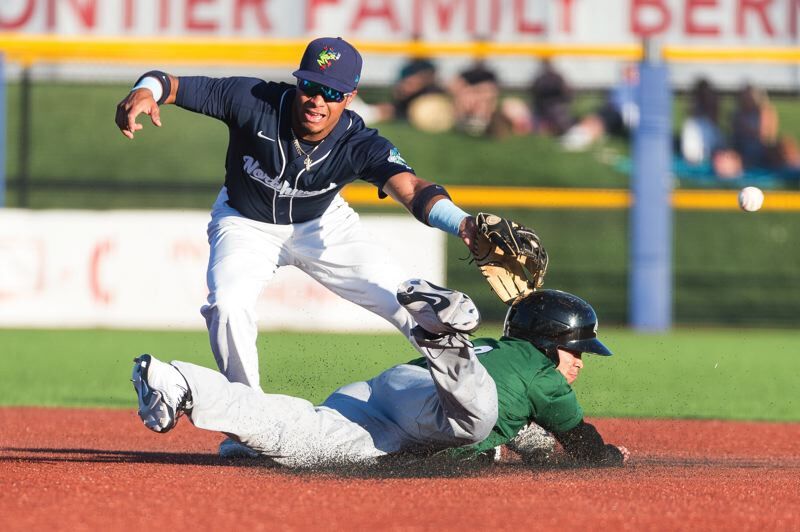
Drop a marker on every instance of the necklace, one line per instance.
(300, 150)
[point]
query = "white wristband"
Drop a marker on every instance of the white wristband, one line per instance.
(150, 83)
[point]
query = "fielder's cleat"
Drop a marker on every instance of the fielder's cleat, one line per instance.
(230, 448)
(163, 393)
(438, 310)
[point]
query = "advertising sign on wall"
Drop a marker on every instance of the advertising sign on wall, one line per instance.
(147, 269)
(715, 23)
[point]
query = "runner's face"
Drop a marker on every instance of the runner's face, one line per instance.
(314, 117)
(569, 364)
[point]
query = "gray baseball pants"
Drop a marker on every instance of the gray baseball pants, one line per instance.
(450, 403)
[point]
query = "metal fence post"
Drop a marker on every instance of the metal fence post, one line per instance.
(650, 303)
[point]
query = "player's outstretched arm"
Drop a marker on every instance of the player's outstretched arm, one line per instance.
(143, 100)
(584, 444)
(430, 204)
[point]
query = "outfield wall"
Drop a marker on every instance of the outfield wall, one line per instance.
(146, 269)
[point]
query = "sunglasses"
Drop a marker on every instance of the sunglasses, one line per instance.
(311, 89)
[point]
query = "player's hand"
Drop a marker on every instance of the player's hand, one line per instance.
(135, 103)
(625, 453)
(468, 231)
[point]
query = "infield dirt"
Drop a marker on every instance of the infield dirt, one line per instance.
(64, 469)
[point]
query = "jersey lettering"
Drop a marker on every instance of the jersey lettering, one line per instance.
(253, 169)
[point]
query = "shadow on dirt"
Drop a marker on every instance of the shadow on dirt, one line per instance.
(19, 454)
(395, 467)
(391, 467)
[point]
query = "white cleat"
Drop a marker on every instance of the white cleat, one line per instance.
(230, 448)
(163, 393)
(438, 310)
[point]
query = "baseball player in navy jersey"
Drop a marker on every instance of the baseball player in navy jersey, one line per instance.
(462, 398)
(291, 150)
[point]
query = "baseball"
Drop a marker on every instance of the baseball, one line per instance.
(751, 199)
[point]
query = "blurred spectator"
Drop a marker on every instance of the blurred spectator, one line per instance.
(551, 97)
(513, 118)
(756, 147)
(475, 92)
(754, 127)
(618, 115)
(755, 133)
(417, 97)
(755, 140)
(417, 78)
(726, 164)
(701, 135)
(432, 112)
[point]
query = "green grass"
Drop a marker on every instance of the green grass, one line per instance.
(728, 374)
(92, 367)
(452, 158)
(696, 373)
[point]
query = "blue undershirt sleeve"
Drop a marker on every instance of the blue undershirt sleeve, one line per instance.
(446, 215)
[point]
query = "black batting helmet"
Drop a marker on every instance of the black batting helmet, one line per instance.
(550, 319)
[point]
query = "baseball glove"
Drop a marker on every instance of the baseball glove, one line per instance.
(510, 256)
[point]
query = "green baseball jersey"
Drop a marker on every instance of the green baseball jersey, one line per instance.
(529, 388)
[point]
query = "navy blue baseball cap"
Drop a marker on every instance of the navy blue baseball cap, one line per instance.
(331, 61)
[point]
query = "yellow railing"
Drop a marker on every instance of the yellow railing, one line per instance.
(733, 54)
(28, 49)
(557, 198)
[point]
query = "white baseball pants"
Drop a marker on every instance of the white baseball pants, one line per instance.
(452, 403)
(245, 254)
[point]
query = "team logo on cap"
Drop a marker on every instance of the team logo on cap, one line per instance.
(326, 57)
